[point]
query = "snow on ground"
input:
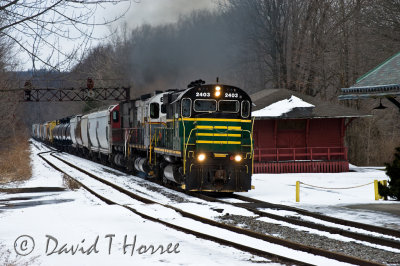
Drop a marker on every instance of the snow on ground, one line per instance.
(281, 107)
(196, 206)
(42, 174)
(199, 207)
(281, 189)
(81, 220)
(78, 218)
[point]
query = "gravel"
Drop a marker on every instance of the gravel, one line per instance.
(306, 238)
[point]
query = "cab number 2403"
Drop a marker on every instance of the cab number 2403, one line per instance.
(207, 94)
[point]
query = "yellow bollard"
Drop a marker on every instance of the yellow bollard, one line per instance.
(384, 183)
(377, 197)
(297, 191)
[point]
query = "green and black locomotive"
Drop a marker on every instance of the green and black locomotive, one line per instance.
(199, 138)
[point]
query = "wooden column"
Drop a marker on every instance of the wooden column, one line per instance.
(307, 135)
(275, 132)
(275, 139)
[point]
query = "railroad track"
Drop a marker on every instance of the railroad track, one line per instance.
(215, 224)
(368, 227)
(385, 236)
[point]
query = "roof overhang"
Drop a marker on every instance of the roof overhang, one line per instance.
(378, 91)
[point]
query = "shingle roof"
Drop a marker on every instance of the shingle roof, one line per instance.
(382, 81)
(322, 109)
(387, 73)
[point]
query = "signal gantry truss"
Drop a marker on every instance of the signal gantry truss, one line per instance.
(72, 94)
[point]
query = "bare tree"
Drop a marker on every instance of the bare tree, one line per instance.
(295, 39)
(41, 27)
(384, 18)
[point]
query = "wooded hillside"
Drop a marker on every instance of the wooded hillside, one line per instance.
(315, 47)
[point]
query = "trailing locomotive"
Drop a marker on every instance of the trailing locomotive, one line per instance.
(199, 138)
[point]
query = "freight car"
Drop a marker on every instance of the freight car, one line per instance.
(62, 134)
(199, 138)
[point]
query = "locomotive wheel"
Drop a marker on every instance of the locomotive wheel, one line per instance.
(165, 181)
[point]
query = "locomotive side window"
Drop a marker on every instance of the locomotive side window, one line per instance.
(186, 106)
(228, 106)
(205, 105)
(154, 110)
(115, 116)
(163, 109)
(245, 109)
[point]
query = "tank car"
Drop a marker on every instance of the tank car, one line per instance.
(61, 134)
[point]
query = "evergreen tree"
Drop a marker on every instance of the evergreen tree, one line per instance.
(393, 171)
(91, 105)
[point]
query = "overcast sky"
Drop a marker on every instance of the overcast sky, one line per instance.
(153, 12)
(156, 12)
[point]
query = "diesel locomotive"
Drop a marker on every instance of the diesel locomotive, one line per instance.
(199, 138)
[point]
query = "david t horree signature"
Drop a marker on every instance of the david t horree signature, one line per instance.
(111, 244)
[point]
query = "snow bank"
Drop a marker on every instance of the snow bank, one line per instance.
(281, 107)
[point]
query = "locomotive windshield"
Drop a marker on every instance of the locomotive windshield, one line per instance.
(228, 106)
(205, 105)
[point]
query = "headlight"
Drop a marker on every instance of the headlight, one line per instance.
(201, 157)
(217, 91)
(238, 158)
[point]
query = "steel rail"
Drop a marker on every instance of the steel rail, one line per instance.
(368, 227)
(254, 251)
(267, 238)
(256, 204)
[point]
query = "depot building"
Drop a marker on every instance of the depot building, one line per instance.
(295, 133)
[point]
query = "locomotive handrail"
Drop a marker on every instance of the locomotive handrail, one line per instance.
(153, 138)
(151, 147)
(187, 142)
(127, 137)
(252, 146)
(251, 139)
(184, 148)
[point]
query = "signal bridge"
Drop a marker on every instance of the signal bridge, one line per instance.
(58, 93)
(72, 94)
